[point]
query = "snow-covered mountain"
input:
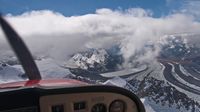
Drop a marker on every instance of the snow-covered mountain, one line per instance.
(91, 59)
(179, 46)
(163, 86)
(170, 83)
(97, 60)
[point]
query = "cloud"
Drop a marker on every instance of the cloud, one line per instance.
(187, 7)
(53, 34)
(192, 7)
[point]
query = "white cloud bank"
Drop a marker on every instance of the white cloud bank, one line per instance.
(191, 7)
(53, 34)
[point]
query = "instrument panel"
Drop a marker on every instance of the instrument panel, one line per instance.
(87, 102)
(96, 98)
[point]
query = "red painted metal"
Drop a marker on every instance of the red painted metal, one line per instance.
(46, 83)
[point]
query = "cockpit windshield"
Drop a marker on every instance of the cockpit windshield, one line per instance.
(151, 48)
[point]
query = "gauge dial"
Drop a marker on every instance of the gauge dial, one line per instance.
(117, 106)
(100, 107)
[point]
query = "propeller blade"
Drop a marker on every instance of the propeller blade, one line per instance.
(20, 50)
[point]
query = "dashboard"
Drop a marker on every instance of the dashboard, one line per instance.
(94, 98)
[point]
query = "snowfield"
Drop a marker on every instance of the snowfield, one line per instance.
(124, 72)
(151, 106)
(47, 67)
(10, 74)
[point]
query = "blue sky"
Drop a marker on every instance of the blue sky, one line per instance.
(81, 7)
